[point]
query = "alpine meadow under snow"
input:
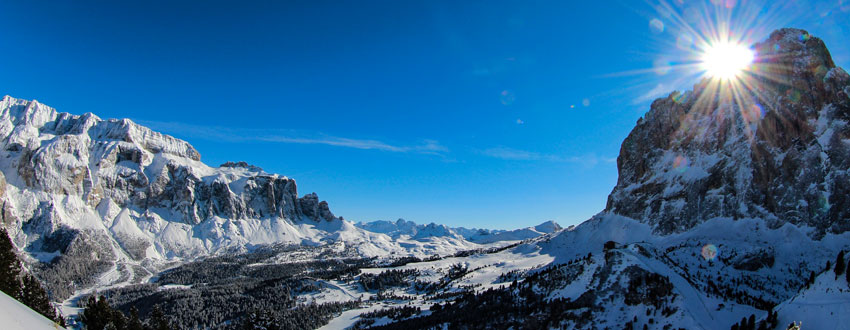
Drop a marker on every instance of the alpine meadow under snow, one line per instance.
(730, 211)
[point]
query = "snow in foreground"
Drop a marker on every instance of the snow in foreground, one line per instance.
(15, 315)
(823, 305)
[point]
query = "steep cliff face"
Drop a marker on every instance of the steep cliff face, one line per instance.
(83, 194)
(774, 145)
(119, 161)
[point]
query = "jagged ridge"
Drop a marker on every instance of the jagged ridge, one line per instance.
(779, 151)
(87, 197)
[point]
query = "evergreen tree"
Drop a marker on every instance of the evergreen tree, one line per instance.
(98, 315)
(10, 267)
(839, 264)
(20, 285)
(158, 321)
(772, 318)
(35, 297)
(134, 323)
(94, 316)
(847, 274)
(117, 319)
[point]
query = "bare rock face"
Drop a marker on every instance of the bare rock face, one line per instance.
(68, 172)
(314, 209)
(131, 165)
(71, 184)
(774, 145)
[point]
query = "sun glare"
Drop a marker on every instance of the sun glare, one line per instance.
(714, 39)
(726, 60)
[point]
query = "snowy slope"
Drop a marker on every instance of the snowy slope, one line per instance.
(823, 305)
(750, 260)
(752, 266)
(17, 316)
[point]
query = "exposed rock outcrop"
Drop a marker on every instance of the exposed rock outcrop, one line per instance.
(133, 166)
(773, 145)
(144, 193)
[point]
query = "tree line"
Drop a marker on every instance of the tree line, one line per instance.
(18, 283)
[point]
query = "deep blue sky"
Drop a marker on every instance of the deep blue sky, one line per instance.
(468, 113)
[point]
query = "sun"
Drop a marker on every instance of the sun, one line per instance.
(726, 60)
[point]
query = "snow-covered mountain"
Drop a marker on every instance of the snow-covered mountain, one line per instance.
(148, 190)
(408, 229)
(778, 151)
(732, 201)
(735, 201)
(393, 229)
(490, 236)
(727, 205)
(73, 187)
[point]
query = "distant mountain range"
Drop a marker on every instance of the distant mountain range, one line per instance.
(407, 229)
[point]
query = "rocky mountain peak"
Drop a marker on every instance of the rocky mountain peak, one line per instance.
(97, 169)
(548, 227)
(242, 165)
(772, 145)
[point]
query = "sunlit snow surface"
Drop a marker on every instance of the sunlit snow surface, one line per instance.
(712, 251)
(17, 316)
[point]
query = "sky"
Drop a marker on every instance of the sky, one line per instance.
(489, 114)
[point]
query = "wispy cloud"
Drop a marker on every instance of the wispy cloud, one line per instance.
(506, 153)
(659, 90)
(235, 135)
(288, 136)
(662, 89)
(511, 154)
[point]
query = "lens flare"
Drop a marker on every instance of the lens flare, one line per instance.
(753, 114)
(685, 42)
(715, 45)
(507, 97)
(793, 95)
(656, 26)
(709, 252)
(823, 204)
(680, 164)
(726, 60)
